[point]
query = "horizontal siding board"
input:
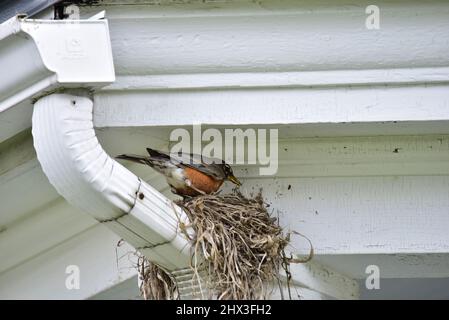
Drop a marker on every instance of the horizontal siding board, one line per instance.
(269, 36)
(362, 215)
(272, 106)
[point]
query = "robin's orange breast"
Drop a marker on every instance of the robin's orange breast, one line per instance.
(200, 181)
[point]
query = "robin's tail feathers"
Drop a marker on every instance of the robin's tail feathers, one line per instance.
(134, 158)
(157, 154)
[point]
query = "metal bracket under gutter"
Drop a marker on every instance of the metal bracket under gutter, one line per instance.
(41, 56)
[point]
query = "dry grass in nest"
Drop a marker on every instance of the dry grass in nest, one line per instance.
(156, 284)
(237, 243)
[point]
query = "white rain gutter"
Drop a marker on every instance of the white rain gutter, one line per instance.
(40, 56)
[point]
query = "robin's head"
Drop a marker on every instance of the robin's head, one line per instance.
(230, 175)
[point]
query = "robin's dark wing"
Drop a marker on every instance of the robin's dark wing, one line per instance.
(211, 166)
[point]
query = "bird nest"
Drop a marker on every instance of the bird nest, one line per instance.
(241, 248)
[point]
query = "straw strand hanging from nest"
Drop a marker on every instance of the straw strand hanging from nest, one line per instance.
(156, 284)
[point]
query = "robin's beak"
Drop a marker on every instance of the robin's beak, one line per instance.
(233, 179)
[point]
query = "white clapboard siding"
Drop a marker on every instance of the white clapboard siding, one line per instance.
(359, 215)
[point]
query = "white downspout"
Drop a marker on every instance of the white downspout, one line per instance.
(81, 171)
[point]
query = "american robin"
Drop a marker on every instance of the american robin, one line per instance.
(187, 174)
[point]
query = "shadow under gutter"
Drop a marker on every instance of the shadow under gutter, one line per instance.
(47, 55)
